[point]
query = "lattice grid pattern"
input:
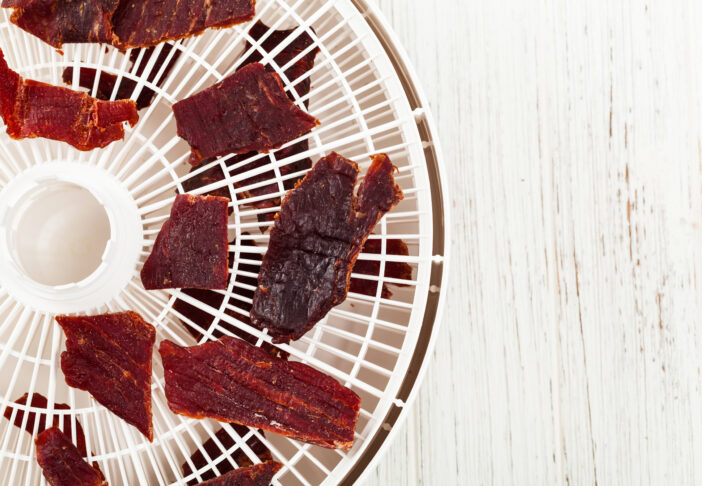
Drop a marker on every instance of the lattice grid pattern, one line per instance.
(365, 343)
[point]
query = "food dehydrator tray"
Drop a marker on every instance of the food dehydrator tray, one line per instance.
(76, 227)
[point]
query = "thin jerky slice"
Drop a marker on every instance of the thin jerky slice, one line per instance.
(247, 111)
(109, 356)
(107, 81)
(231, 380)
(398, 270)
(61, 462)
(191, 248)
(315, 242)
(293, 48)
(32, 109)
(37, 400)
(143, 23)
(59, 22)
(213, 451)
(258, 475)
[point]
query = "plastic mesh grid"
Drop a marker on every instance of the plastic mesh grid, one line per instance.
(365, 343)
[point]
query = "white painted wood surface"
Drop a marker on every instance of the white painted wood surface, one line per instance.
(570, 351)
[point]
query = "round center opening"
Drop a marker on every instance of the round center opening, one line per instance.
(59, 233)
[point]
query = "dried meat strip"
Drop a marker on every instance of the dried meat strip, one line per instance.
(247, 111)
(298, 46)
(107, 81)
(39, 401)
(59, 22)
(32, 109)
(398, 270)
(293, 48)
(315, 242)
(125, 23)
(214, 451)
(258, 475)
(109, 356)
(62, 464)
(143, 23)
(191, 249)
(231, 380)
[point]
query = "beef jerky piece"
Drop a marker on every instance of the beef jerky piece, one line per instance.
(59, 22)
(231, 380)
(107, 81)
(143, 23)
(292, 49)
(39, 401)
(399, 270)
(191, 249)
(61, 462)
(32, 109)
(315, 242)
(109, 356)
(214, 451)
(258, 475)
(247, 111)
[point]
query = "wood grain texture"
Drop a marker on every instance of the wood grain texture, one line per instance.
(570, 351)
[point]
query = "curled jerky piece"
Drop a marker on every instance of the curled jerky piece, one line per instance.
(191, 248)
(398, 270)
(142, 23)
(293, 48)
(107, 81)
(231, 380)
(315, 242)
(59, 22)
(109, 356)
(247, 111)
(258, 475)
(32, 109)
(61, 462)
(214, 451)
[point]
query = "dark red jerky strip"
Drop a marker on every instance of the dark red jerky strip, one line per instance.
(124, 23)
(315, 242)
(214, 451)
(191, 250)
(109, 356)
(258, 475)
(205, 319)
(293, 48)
(398, 270)
(32, 109)
(61, 462)
(142, 23)
(231, 380)
(107, 81)
(246, 112)
(59, 22)
(39, 401)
